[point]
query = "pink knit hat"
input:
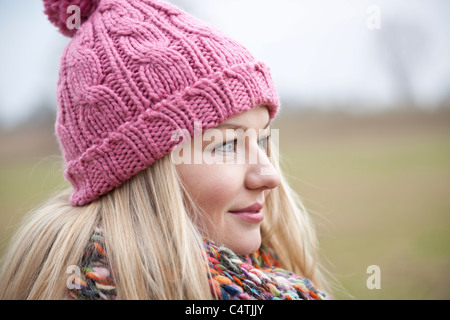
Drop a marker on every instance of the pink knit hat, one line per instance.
(136, 71)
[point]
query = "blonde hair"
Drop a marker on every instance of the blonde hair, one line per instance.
(153, 242)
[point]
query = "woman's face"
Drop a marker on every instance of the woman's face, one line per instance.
(232, 179)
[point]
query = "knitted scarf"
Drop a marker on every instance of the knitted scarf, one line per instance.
(258, 276)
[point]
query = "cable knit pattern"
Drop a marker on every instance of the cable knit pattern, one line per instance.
(133, 73)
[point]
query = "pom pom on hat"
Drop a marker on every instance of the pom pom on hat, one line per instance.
(56, 10)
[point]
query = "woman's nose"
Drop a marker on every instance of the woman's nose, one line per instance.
(262, 174)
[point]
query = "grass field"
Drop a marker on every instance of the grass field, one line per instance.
(378, 187)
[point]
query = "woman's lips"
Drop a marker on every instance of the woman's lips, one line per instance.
(251, 213)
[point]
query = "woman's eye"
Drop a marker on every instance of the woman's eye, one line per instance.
(229, 146)
(262, 143)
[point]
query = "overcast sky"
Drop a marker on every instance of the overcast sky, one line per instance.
(320, 51)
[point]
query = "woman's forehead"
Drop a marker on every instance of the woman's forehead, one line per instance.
(257, 117)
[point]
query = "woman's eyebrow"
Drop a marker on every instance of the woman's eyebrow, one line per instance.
(236, 126)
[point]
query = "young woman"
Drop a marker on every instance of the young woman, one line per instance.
(164, 124)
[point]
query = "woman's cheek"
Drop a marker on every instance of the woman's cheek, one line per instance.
(220, 185)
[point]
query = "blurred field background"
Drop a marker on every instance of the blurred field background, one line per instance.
(364, 127)
(377, 186)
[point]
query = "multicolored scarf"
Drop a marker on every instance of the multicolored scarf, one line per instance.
(258, 276)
